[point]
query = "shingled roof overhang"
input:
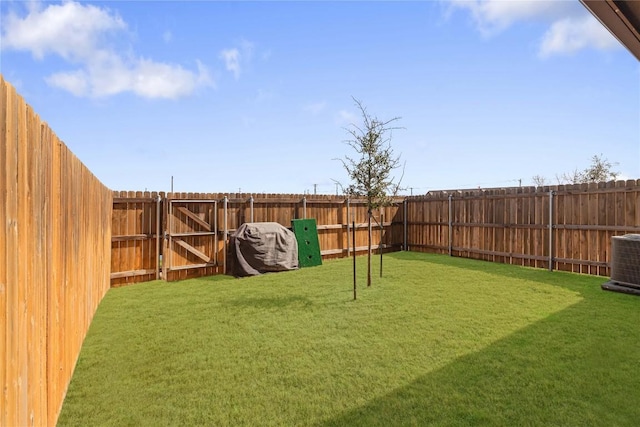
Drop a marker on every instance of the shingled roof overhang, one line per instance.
(621, 18)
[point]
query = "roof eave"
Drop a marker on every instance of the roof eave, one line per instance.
(618, 21)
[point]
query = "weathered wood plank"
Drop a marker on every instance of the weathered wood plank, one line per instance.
(131, 273)
(5, 133)
(190, 267)
(12, 395)
(132, 237)
(127, 200)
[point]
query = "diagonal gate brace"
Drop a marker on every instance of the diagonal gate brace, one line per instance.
(194, 217)
(193, 250)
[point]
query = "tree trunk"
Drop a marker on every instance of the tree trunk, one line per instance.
(369, 250)
(353, 233)
(381, 234)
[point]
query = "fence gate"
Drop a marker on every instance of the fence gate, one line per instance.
(192, 244)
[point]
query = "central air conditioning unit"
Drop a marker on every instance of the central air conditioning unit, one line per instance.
(625, 264)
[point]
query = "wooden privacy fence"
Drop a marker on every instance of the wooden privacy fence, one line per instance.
(55, 229)
(56, 245)
(196, 228)
(562, 227)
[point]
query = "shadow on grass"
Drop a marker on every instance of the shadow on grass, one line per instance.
(563, 370)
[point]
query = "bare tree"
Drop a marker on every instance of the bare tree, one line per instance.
(371, 173)
(538, 180)
(573, 177)
(600, 170)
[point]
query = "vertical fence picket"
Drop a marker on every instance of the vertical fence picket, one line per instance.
(55, 264)
(569, 230)
(5, 133)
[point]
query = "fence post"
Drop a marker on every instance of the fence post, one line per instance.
(170, 227)
(450, 224)
(158, 201)
(405, 246)
(225, 235)
(551, 230)
(251, 208)
(304, 207)
(348, 237)
(381, 233)
(215, 233)
(353, 230)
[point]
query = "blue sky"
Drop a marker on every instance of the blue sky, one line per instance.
(256, 95)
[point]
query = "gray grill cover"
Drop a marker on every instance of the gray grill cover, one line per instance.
(262, 247)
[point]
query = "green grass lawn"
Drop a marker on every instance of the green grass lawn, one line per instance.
(436, 341)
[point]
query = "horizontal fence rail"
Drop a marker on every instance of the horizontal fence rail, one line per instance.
(565, 227)
(196, 228)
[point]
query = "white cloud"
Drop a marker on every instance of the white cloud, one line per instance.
(76, 82)
(78, 33)
(493, 16)
(142, 77)
(235, 59)
(571, 26)
(69, 30)
(231, 58)
(570, 35)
